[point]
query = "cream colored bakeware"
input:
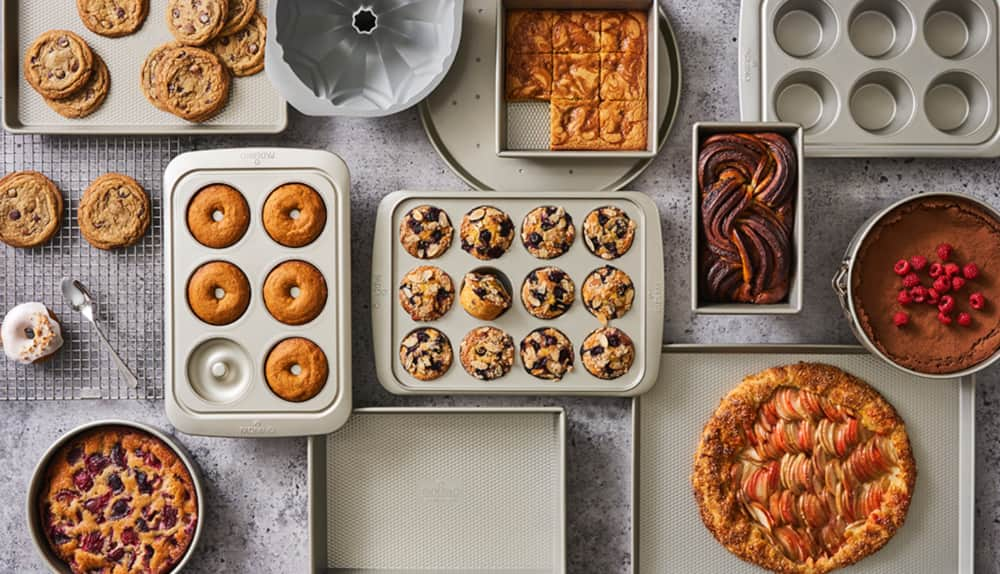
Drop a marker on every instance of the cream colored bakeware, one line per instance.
(793, 302)
(523, 128)
(668, 533)
(255, 106)
(215, 375)
(35, 526)
(408, 490)
(643, 323)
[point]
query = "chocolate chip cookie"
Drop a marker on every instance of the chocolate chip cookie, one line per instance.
(31, 209)
(238, 16)
(547, 232)
(607, 353)
(58, 63)
(484, 296)
(114, 212)
(548, 292)
(608, 232)
(196, 22)
(192, 83)
(487, 353)
(426, 353)
(243, 51)
(608, 293)
(426, 293)
(87, 99)
(113, 18)
(425, 232)
(486, 232)
(547, 354)
(150, 67)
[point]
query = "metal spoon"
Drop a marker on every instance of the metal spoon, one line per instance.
(80, 299)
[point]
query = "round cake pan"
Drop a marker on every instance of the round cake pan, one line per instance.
(35, 527)
(842, 285)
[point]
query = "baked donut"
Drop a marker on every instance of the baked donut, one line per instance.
(295, 292)
(294, 215)
(218, 293)
(30, 333)
(296, 369)
(218, 216)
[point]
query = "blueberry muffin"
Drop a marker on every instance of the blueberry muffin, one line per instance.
(487, 353)
(425, 353)
(608, 293)
(547, 232)
(425, 232)
(426, 293)
(607, 353)
(608, 232)
(547, 354)
(548, 292)
(484, 296)
(486, 232)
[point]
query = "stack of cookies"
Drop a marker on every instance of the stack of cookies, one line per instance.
(62, 68)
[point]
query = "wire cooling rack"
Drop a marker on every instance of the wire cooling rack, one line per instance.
(127, 283)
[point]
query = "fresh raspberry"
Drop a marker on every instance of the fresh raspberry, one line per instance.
(942, 284)
(977, 301)
(936, 270)
(902, 267)
(952, 269)
(944, 318)
(957, 283)
(970, 271)
(918, 262)
(904, 297)
(947, 304)
(900, 318)
(944, 251)
(933, 296)
(919, 294)
(911, 280)
(964, 319)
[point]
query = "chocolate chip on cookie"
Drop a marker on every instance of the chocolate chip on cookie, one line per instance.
(192, 83)
(58, 63)
(243, 51)
(31, 209)
(196, 22)
(114, 212)
(113, 18)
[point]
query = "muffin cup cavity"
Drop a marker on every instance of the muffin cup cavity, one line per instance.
(957, 103)
(805, 28)
(219, 370)
(881, 29)
(808, 98)
(882, 102)
(956, 29)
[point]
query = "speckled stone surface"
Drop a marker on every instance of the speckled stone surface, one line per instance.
(256, 494)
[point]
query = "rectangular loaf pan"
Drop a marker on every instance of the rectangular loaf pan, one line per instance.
(532, 124)
(793, 302)
(421, 490)
(667, 532)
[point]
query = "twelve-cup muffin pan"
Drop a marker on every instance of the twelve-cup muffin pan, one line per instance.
(643, 262)
(215, 383)
(875, 77)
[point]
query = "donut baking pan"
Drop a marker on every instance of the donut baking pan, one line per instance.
(523, 127)
(643, 263)
(363, 58)
(406, 490)
(668, 534)
(875, 77)
(38, 478)
(215, 376)
(793, 302)
(255, 106)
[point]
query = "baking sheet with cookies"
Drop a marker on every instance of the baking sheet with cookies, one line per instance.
(254, 106)
(234, 399)
(667, 530)
(523, 128)
(643, 323)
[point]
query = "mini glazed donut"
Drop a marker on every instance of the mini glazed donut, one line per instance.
(232, 210)
(30, 333)
(295, 292)
(294, 215)
(218, 293)
(296, 369)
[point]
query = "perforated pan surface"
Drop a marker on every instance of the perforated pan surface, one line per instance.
(669, 533)
(254, 106)
(643, 323)
(432, 490)
(200, 403)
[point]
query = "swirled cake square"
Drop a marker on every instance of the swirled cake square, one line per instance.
(529, 31)
(529, 76)
(623, 32)
(576, 32)
(575, 125)
(623, 76)
(624, 125)
(576, 76)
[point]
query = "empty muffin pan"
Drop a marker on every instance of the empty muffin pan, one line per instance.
(874, 77)
(643, 323)
(215, 374)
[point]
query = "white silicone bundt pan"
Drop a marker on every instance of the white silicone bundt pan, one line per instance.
(364, 58)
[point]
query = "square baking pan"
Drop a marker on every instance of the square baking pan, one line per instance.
(523, 128)
(214, 375)
(793, 302)
(643, 323)
(420, 490)
(667, 531)
(254, 106)
(875, 78)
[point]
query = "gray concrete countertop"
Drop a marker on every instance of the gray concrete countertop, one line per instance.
(257, 488)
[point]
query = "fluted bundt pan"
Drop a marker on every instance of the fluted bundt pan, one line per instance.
(360, 57)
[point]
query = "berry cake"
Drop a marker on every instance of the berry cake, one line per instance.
(118, 500)
(804, 469)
